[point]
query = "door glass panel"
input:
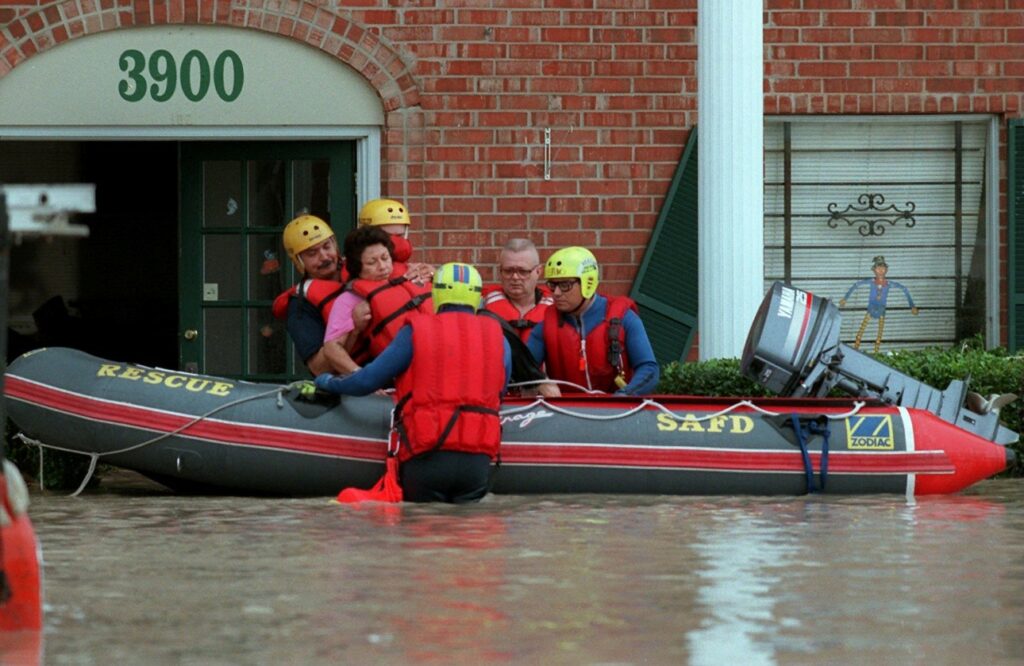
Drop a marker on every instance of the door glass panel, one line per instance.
(222, 328)
(310, 183)
(236, 199)
(222, 194)
(266, 266)
(268, 343)
(222, 274)
(266, 193)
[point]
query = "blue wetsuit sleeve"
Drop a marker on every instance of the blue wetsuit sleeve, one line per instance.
(305, 327)
(646, 371)
(393, 361)
(535, 343)
(507, 360)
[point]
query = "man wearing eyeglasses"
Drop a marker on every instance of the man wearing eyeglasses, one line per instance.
(520, 303)
(518, 300)
(594, 341)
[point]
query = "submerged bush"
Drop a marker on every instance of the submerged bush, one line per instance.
(61, 470)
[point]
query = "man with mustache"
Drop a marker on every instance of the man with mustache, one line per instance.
(313, 248)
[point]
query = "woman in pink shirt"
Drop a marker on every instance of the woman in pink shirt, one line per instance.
(368, 256)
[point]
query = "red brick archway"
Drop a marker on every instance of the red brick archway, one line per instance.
(327, 29)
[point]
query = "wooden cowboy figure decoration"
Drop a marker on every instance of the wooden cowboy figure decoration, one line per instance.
(877, 298)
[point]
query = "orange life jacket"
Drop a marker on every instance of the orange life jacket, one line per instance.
(447, 398)
(391, 301)
(494, 299)
(321, 293)
(605, 351)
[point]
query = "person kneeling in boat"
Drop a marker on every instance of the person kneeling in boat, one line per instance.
(376, 301)
(594, 341)
(447, 406)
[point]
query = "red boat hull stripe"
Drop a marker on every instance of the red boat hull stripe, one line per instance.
(210, 429)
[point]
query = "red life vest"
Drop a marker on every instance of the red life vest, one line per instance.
(496, 301)
(391, 301)
(447, 398)
(321, 293)
(605, 348)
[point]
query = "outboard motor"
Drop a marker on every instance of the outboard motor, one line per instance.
(793, 349)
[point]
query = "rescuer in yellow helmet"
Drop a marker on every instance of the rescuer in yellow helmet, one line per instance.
(448, 387)
(393, 217)
(311, 245)
(457, 284)
(592, 341)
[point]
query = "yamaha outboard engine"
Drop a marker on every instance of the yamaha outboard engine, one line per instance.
(793, 349)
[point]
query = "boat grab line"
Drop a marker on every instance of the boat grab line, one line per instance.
(541, 402)
(94, 457)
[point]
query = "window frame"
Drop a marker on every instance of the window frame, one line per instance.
(991, 196)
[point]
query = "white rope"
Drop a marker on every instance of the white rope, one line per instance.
(542, 402)
(562, 382)
(94, 457)
(41, 484)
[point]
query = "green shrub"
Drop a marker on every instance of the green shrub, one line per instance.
(988, 372)
(719, 376)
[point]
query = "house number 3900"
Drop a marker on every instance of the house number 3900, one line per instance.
(160, 76)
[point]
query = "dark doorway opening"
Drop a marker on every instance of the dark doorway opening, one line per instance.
(115, 293)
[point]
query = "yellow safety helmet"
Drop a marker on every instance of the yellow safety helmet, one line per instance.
(457, 284)
(574, 262)
(379, 212)
(302, 233)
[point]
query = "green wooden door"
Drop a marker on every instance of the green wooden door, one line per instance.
(235, 199)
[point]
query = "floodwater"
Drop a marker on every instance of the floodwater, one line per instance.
(137, 575)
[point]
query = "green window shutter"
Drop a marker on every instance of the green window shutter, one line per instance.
(1015, 267)
(665, 289)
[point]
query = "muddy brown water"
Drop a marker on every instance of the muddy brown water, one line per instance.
(136, 574)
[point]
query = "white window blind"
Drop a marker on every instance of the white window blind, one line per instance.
(931, 171)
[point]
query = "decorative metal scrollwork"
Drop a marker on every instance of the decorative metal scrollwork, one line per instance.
(870, 225)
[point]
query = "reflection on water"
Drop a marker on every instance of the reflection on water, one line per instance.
(739, 553)
(137, 575)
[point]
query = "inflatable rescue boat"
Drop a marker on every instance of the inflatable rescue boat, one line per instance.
(200, 433)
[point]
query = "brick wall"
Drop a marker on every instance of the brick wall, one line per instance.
(469, 86)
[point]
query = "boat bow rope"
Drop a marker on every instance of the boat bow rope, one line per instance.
(277, 391)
